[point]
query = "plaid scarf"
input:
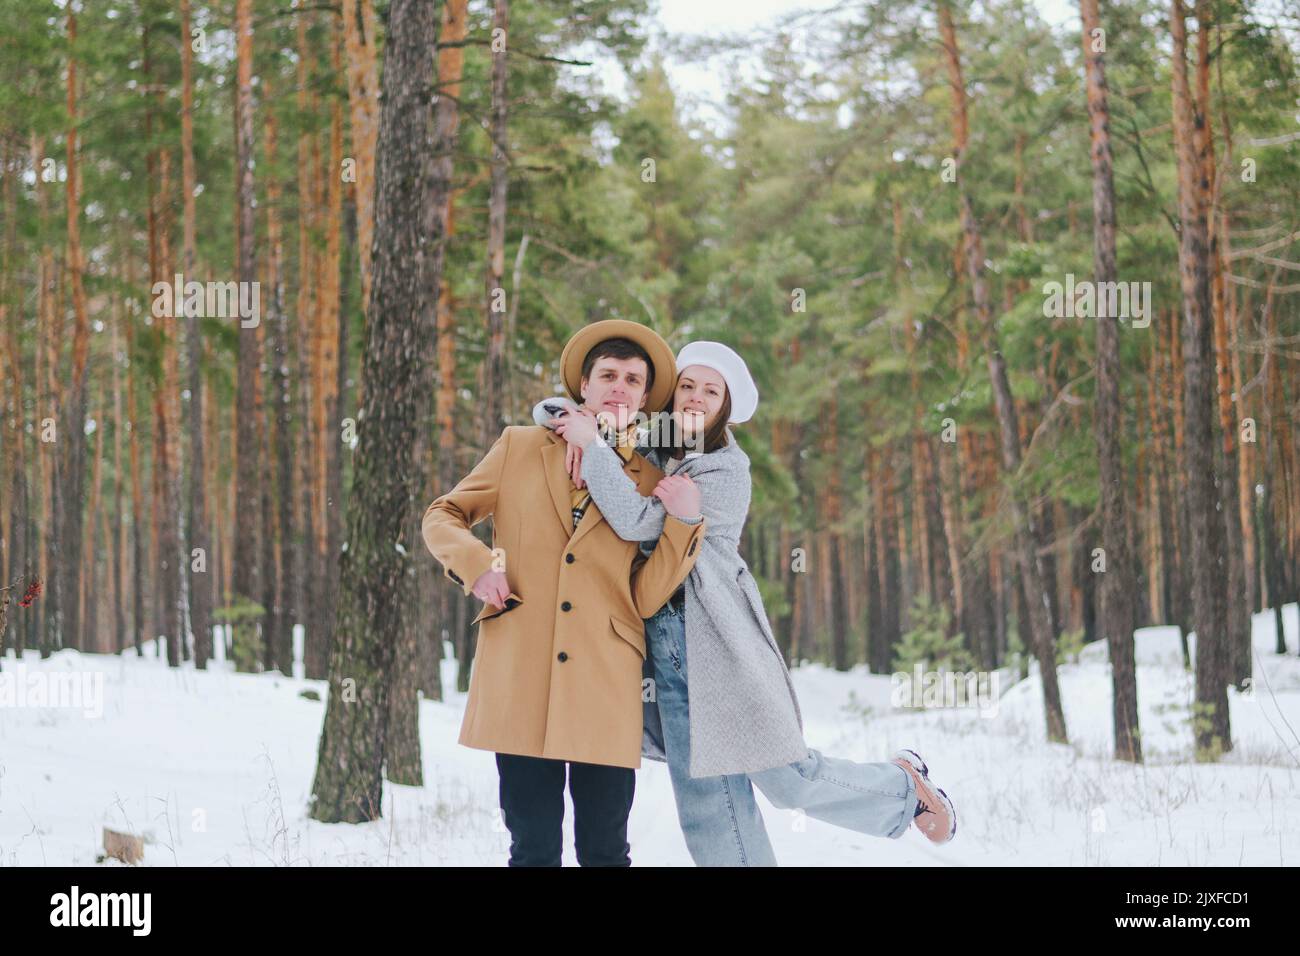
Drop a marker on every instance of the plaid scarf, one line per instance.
(624, 443)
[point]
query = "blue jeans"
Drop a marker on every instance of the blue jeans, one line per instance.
(719, 815)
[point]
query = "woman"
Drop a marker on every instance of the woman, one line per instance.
(736, 723)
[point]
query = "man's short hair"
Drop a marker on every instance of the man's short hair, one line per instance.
(619, 349)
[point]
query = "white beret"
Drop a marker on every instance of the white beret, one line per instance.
(732, 368)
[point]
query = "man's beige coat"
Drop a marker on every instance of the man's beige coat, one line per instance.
(559, 674)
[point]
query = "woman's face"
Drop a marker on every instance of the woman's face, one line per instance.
(698, 398)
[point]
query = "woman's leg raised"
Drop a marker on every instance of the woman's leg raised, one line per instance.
(878, 799)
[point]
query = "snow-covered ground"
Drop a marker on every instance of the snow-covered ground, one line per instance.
(215, 767)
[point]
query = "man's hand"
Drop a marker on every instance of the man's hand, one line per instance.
(492, 588)
(680, 495)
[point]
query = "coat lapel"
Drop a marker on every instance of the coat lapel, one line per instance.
(559, 483)
(557, 480)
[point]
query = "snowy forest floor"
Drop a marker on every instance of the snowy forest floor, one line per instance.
(215, 768)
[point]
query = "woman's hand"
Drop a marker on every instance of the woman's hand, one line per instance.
(573, 464)
(578, 430)
(680, 495)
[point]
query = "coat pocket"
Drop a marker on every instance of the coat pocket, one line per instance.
(490, 611)
(634, 634)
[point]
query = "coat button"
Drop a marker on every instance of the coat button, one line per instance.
(568, 559)
(566, 606)
(562, 657)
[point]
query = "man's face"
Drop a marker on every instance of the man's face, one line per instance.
(616, 389)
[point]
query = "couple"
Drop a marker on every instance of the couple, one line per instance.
(641, 576)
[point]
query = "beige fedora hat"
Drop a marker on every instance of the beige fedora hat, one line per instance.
(588, 337)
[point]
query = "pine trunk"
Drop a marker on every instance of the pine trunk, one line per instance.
(446, 119)
(491, 394)
(1118, 576)
(285, 610)
(1211, 724)
(361, 35)
(1237, 664)
(1036, 598)
(72, 422)
(349, 784)
(247, 567)
(197, 552)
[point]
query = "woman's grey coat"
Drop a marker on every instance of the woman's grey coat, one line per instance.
(744, 715)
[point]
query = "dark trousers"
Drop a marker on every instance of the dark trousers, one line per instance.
(532, 799)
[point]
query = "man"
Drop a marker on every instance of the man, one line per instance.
(556, 682)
